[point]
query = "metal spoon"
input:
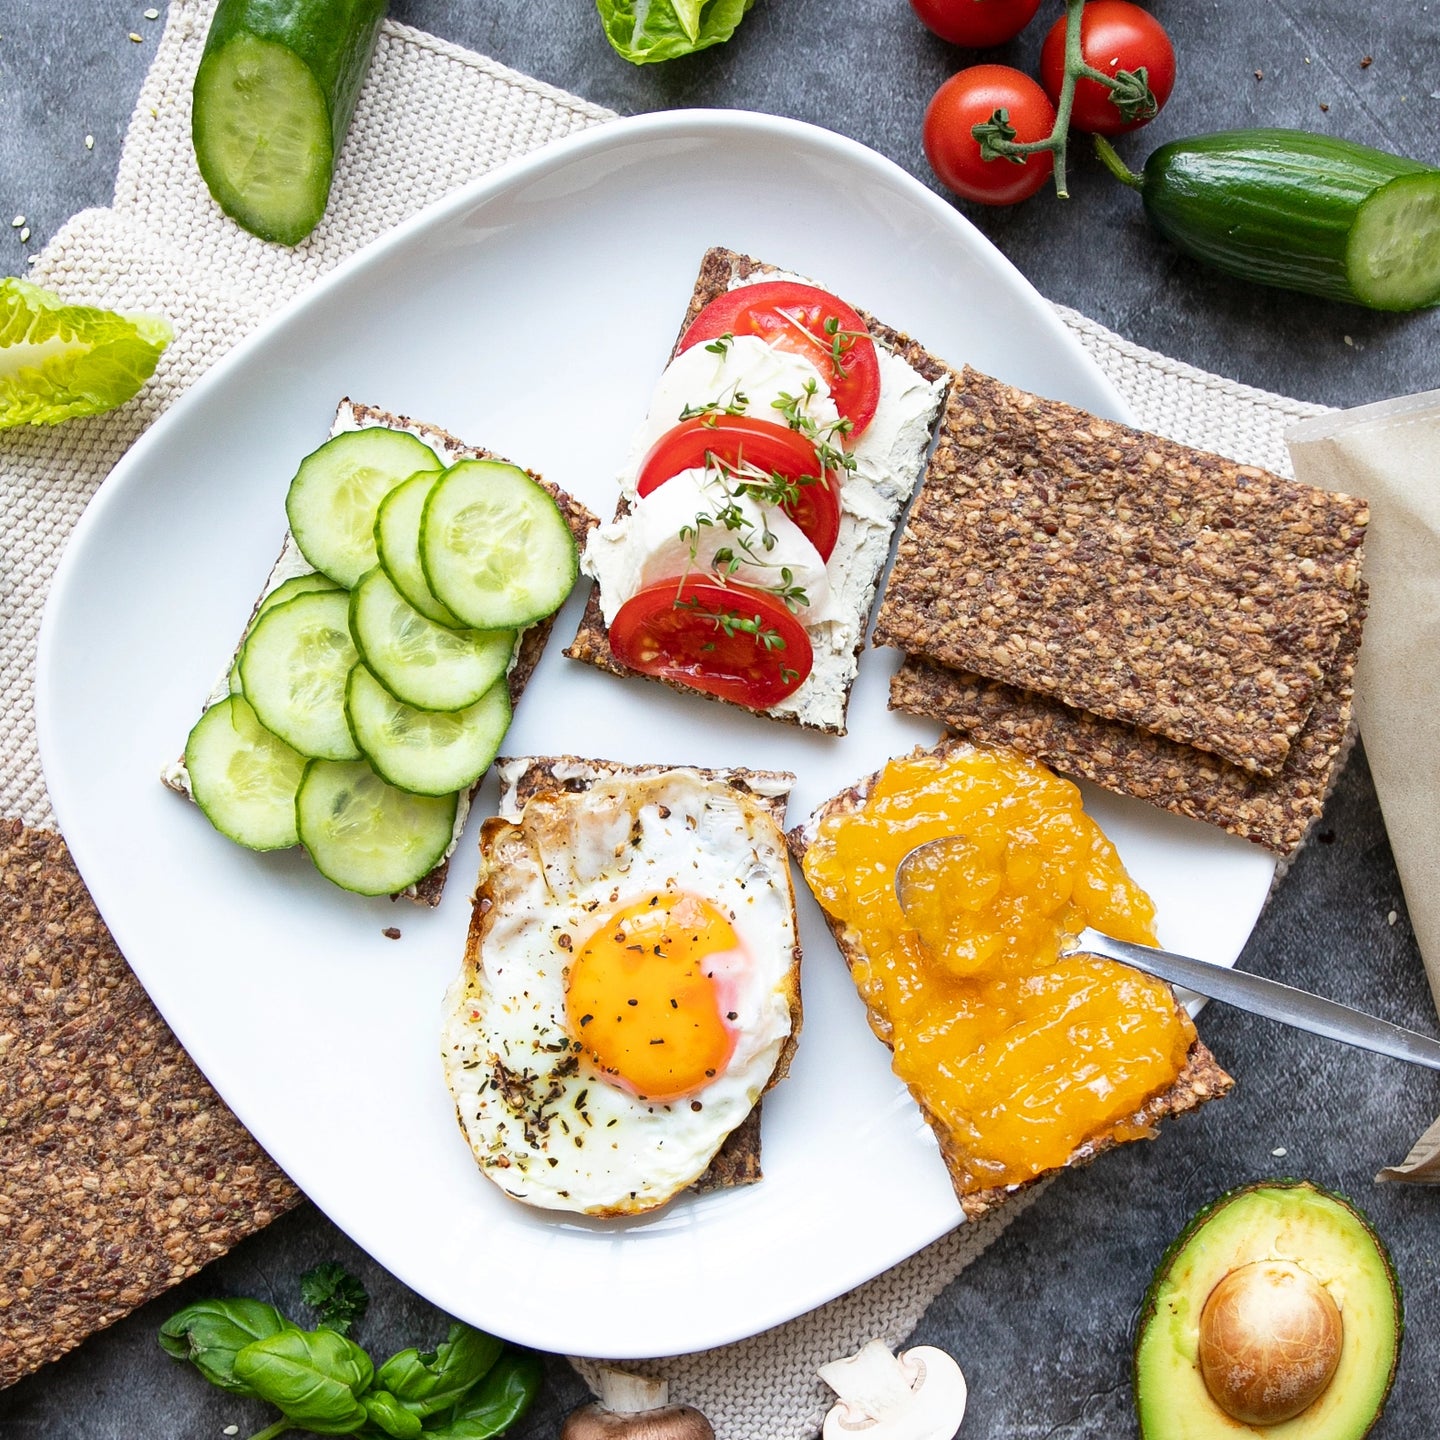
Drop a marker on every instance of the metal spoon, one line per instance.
(1234, 987)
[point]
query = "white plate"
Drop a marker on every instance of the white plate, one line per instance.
(530, 313)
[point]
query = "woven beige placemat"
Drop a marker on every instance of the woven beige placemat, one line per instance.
(431, 117)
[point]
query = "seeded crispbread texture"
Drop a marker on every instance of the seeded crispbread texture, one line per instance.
(1124, 574)
(1274, 811)
(737, 1162)
(1200, 1079)
(718, 269)
(121, 1171)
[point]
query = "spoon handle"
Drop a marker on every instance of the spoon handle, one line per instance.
(1267, 997)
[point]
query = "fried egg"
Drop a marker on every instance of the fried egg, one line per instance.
(630, 984)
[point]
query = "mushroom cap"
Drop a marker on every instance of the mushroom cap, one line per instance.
(919, 1395)
(669, 1422)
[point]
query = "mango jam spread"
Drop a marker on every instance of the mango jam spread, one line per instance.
(1015, 1055)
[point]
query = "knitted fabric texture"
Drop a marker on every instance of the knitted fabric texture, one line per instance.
(431, 117)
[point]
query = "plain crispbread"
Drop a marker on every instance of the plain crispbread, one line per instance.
(522, 779)
(350, 415)
(1123, 574)
(719, 269)
(1275, 811)
(1200, 1079)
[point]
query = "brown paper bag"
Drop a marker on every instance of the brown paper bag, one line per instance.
(1390, 454)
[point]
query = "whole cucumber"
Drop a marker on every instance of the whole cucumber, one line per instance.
(274, 93)
(1300, 211)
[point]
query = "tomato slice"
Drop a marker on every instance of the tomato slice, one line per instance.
(736, 440)
(793, 317)
(727, 640)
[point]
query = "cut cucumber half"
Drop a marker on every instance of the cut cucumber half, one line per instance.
(336, 494)
(285, 590)
(1393, 253)
(424, 664)
(274, 93)
(243, 778)
(495, 547)
(293, 668)
(426, 752)
(367, 835)
(397, 542)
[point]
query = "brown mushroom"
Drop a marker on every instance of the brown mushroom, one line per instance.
(1270, 1338)
(634, 1407)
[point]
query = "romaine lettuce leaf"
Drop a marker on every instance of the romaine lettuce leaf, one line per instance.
(58, 361)
(644, 31)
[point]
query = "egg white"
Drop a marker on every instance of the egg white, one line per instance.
(545, 1123)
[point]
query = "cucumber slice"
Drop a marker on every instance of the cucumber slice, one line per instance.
(293, 667)
(495, 547)
(286, 590)
(336, 494)
(273, 97)
(243, 778)
(1393, 253)
(424, 664)
(426, 752)
(397, 542)
(366, 835)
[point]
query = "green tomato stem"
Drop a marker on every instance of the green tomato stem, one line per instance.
(1115, 165)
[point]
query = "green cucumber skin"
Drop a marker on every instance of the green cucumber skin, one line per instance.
(334, 39)
(1271, 206)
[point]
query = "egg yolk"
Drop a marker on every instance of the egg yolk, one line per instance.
(645, 996)
(1018, 1053)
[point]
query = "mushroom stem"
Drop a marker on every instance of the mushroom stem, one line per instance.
(919, 1395)
(634, 1407)
(627, 1394)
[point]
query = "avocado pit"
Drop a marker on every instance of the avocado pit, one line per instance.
(1270, 1340)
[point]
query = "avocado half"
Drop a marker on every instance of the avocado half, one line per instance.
(1284, 1220)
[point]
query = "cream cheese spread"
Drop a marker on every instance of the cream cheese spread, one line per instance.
(747, 376)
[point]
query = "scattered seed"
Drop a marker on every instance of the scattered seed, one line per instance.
(1259, 74)
(231, 1430)
(24, 233)
(1392, 917)
(1278, 1152)
(1324, 107)
(17, 222)
(1367, 62)
(1349, 339)
(32, 259)
(391, 932)
(138, 39)
(152, 14)
(89, 142)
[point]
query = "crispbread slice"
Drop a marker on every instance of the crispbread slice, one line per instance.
(524, 778)
(719, 269)
(351, 415)
(1201, 1078)
(1123, 574)
(1274, 811)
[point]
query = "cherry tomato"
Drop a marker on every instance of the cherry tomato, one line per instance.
(795, 317)
(727, 640)
(1114, 35)
(736, 440)
(967, 99)
(976, 23)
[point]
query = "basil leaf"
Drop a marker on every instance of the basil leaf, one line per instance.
(391, 1415)
(664, 29)
(315, 1376)
(430, 1383)
(497, 1403)
(211, 1333)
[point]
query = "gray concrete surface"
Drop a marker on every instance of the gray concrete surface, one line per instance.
(1042, 1322)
